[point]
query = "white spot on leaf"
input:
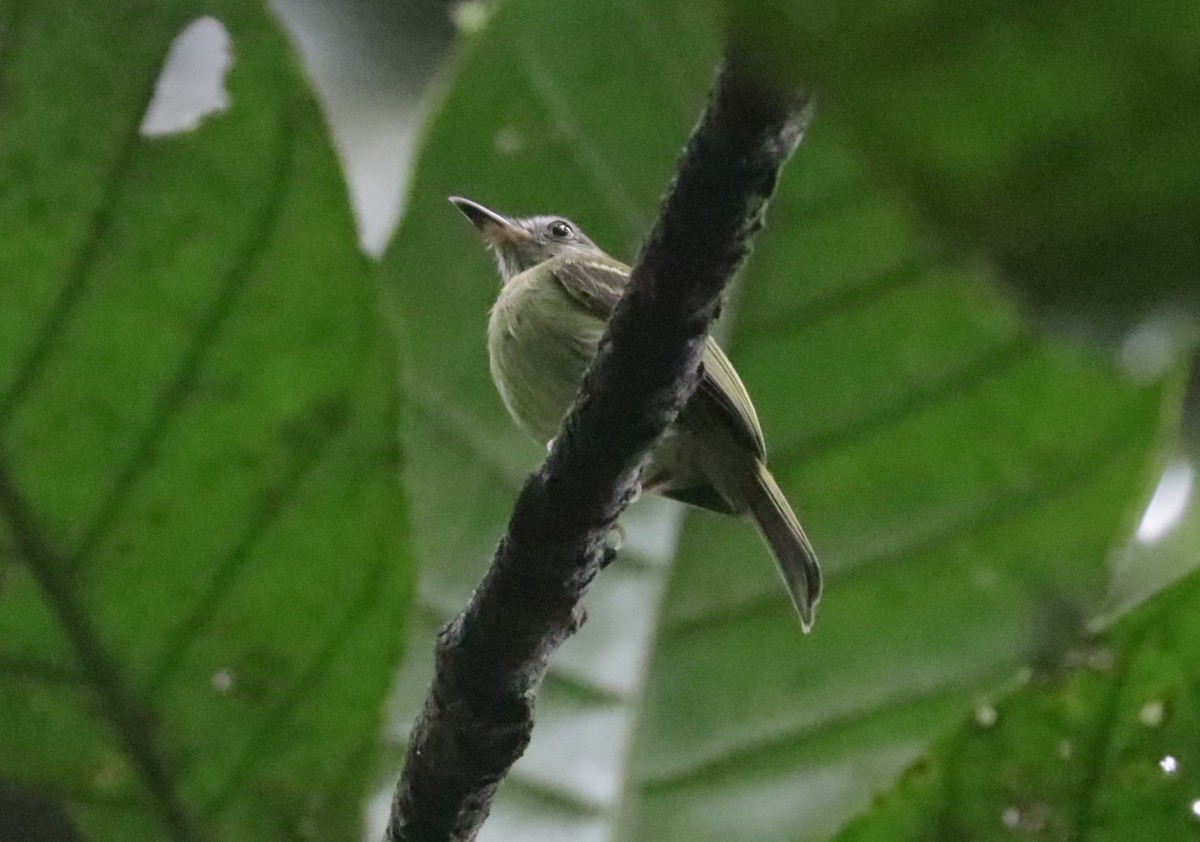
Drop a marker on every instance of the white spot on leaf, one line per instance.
(986, 716)
(222, 681)
(469, 16)
(508, 141)
(1151, 714)
(191, 85)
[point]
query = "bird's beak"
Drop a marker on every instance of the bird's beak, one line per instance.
(493, 227)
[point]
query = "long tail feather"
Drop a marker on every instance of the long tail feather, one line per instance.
(792, 550)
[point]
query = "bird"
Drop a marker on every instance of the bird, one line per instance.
(557, 291)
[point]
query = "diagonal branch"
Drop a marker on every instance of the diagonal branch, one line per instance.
(490, 659)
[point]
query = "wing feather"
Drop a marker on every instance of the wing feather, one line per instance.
(720, 384)
(595, 285)
(598, 286)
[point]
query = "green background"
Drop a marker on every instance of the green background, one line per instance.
(232, 447)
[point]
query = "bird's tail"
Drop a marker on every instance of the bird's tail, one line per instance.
(792, 550)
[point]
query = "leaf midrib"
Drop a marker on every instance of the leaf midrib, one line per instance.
(126, 714)
(54, 572)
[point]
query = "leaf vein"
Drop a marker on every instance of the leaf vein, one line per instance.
(916, 398)
(227, 573)
(76, 282)
(127, 715)
(21, 667)
(587, 153)
(168, 405)
(747, 753)
(1007, 506)
(339, 638)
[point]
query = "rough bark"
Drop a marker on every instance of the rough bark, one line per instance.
(490, 660)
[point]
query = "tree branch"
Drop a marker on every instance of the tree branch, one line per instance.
(490, 659)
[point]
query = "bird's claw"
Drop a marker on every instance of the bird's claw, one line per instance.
(612, 545)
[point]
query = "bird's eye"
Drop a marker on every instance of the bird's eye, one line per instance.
(560, 230)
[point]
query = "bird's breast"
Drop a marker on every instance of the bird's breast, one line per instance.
(540, 343)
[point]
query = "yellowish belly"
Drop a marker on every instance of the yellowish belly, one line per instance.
(540, 343)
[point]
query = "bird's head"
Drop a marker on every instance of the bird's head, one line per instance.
(522, 243)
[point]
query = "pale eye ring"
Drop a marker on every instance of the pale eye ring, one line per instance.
(560, 230)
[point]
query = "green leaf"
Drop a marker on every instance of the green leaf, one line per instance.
(1166, 547)
(963, 478)
(1056, 139)
(1106, 751)
(203, 573)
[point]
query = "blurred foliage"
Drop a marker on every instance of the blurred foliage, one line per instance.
(204, 560)
(1108, 750)
(1055, 141)
(202, 572)
(964, 478)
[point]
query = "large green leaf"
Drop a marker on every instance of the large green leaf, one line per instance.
(963, 479)
(203, 575)
(1109, 750)
(1056, 139)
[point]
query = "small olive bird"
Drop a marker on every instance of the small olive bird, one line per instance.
(558, 290)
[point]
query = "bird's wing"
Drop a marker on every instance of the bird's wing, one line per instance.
(599, 286)
(720, 385)
(595, 285)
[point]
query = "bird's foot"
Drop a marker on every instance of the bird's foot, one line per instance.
(612, 545)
